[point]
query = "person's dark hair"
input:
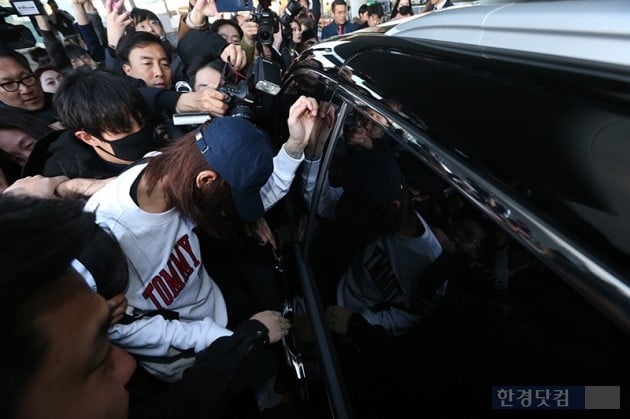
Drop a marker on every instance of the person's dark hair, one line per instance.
(40, 56)
(375, 9)
(105, 260)
(21, 59)
(41, 70)
(134, 40)
(23, 121)
(372, 180)
(40, 238)
(305, 20)
(395, 9)
(220, 22)
(140, 15)
(99, 101)
(212, 202)
(337, 3)
(363, 8)
(216, 64)
(74, 51)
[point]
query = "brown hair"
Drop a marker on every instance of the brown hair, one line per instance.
(211, 206)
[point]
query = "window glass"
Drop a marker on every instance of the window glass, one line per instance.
(428, 301)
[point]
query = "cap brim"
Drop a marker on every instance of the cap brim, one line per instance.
(248, 204)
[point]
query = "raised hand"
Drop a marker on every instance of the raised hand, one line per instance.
(302, 117)
(116, 22)
(235, 55)
(205, 100)
(201, 10)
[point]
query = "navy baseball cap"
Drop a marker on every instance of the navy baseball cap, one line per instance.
(239, 152)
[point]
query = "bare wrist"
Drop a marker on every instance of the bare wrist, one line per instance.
(295, 152)
(195, 21)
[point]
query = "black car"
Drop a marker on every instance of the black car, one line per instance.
(511, 136)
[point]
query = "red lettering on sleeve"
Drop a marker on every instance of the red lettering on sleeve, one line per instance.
(148, 293)
(163, 290)
(172, 279)
(185, 244)
(181, 263)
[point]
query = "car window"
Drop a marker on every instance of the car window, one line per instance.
(430, 303)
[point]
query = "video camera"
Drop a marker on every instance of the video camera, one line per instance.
(290, 12)
(269, 22)
(18, 36)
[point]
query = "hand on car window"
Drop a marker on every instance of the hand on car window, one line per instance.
(320, 134)
(302, 117)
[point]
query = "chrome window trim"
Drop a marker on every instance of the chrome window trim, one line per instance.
(599, 283)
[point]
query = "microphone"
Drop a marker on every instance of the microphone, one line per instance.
(183, 87)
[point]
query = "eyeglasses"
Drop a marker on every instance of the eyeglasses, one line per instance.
(14, 85)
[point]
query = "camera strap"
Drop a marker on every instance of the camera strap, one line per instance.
(229, 72)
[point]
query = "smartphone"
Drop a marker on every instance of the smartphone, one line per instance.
(234, 5)
(114, 3)
(28, 7)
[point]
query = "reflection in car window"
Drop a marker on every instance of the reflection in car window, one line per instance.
(428, 301)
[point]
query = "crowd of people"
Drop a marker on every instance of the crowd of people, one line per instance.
(118, 272)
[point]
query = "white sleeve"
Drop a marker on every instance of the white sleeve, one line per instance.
(153, 336)
(394, 320)
(330, 195)
(279, 183)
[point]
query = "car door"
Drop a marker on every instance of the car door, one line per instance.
(492, 313)
(315, 378)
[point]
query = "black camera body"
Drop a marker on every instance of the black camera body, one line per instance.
(243, 97)
(268, 24)
(241, 100)
(290, 12)
(16, 36)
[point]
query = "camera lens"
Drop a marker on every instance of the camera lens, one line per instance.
(265, 36)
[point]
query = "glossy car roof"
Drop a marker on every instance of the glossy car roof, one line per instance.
(595, 30)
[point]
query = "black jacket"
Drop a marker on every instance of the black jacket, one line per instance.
(61, 153)
(47, 114)
(220, 372)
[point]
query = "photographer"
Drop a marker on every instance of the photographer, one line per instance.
(147, 63)
(278, 37)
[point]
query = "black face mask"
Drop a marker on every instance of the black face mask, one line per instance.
(134, 146)
(404, 10)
